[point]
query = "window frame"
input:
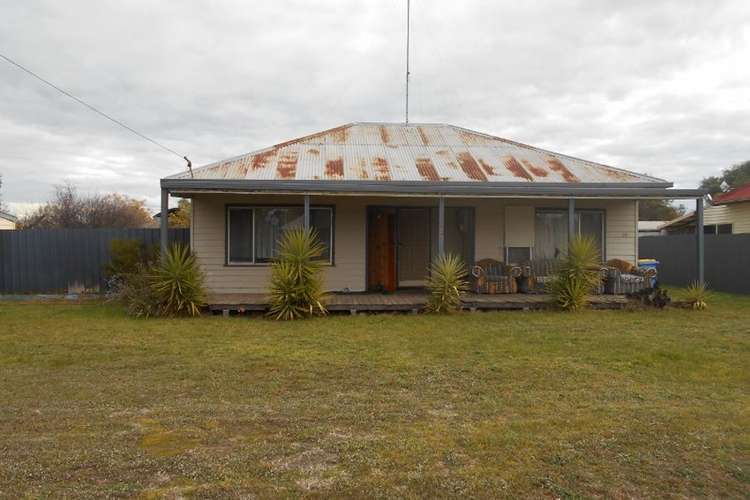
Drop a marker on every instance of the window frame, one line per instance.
(227, 208)
(602, 211)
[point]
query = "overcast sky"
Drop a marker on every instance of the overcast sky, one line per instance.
(653, 86)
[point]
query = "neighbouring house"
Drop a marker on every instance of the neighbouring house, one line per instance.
(386, 198)
(729, 213)
(7, 221)
(650, 227)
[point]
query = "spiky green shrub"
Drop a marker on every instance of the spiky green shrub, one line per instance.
(296, 289)
(577, 275)
(696, 295)
(446, 284)
(178, 283)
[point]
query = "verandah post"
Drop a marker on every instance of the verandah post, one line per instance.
(164, 221)
(699, 238)
(441, 225)
(307, 212)
(571, 219)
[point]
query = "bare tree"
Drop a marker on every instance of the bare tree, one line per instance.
(68, 209)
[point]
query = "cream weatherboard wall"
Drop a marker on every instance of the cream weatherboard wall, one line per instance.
(349, 269)
(736, 214)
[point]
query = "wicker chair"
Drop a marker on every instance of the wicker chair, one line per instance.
(492, 276)
(620, 283)
(539, 272)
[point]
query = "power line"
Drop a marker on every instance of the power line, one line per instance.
(95, 110)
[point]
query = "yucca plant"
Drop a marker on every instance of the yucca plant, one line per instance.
(446, 284)
(178, 282)
(296, 277)
(696, 295)
(577, 274)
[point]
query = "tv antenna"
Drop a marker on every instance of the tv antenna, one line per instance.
(407, 60)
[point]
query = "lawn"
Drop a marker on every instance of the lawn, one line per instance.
(531, 404)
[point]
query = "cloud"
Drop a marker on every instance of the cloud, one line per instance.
(656, 87)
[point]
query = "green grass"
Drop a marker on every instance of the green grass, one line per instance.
(608, 403)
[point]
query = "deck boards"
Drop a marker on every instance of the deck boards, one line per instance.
(408, 301)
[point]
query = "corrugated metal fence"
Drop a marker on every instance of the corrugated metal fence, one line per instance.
(727, 262)
(62, 260)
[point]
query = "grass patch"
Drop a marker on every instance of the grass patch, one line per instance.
(601, 403)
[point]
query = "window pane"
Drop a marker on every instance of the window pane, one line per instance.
(724, 229)
(517, 255)
(320, 219)
(240, 235)
(709, 229)
(270, 224)
(551, 234)
(591, 224)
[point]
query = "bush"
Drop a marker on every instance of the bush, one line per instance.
(296, 277)
(446, 284)
(696, 295)
(577, 275)
(137, 294)
(126, 255)
(177, 282)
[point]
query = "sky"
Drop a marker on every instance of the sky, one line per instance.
(659, 87)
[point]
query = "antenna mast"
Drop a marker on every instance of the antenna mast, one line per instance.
(407, 60)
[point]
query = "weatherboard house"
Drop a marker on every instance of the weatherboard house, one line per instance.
(386, 198)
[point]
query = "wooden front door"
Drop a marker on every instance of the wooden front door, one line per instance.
(381, 250)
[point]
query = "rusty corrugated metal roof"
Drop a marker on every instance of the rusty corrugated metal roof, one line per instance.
(413, 152)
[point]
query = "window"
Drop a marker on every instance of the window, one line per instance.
(724, 229)
(517, 254)
(551, 231)
(709, 229)
(550, 234)
(254, 233)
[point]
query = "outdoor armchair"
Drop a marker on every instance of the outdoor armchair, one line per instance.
(492, 276)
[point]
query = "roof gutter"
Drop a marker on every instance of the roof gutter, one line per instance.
(589, 190)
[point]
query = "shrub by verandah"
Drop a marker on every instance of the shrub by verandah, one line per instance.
(446, 284)
(178, 282)
(296, 288)
(172, 285)
(577, 274)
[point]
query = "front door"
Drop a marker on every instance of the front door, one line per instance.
(413, 246)
(381, 250)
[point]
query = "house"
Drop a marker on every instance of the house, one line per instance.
(386, 198)
(729, 213)
(650, 227)
(7, 221)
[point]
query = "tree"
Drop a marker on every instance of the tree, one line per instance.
(735, 176)
(68, 209)
(181, 216)
(658, 210)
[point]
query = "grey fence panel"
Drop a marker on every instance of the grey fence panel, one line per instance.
(60, 260)
(727, 260)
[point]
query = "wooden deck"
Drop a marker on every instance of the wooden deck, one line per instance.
(408, 302)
